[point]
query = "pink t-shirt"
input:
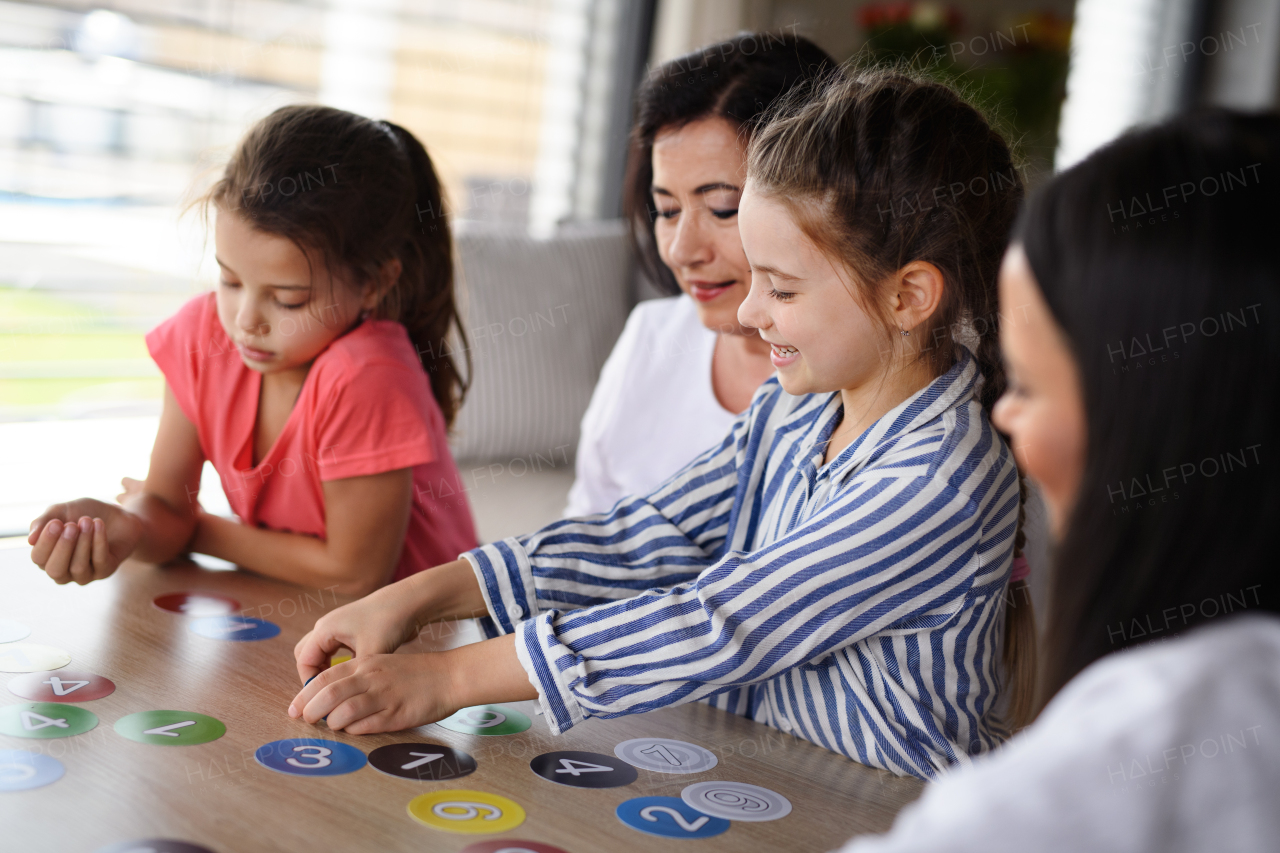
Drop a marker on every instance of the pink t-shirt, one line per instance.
(365, 408)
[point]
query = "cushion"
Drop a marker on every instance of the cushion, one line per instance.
(541, 316)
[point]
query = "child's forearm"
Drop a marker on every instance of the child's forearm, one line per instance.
(448, 591)
(166, 532)
(489, 671)
(293, 557)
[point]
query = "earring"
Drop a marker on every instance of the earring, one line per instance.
(905, 333)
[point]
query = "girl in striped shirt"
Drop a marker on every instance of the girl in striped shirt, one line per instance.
(837, 566)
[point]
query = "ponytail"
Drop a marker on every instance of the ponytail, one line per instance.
(1020, 646)
(423, 300)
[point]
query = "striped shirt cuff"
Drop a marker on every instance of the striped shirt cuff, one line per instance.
(536, 638)
(505, 576)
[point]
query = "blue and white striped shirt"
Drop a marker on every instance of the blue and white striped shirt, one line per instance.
(856, 604)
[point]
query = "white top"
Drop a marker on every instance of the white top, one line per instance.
(1174, 746)
(653, 409)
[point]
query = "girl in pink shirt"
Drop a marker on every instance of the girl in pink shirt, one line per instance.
(317, 379)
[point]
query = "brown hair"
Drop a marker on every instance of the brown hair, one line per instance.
(736, 79)
(881, 168)
(360, 193)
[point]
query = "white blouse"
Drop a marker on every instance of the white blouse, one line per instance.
(653, 409)
(1174, 746)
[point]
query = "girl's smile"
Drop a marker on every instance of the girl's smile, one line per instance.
(782, 355)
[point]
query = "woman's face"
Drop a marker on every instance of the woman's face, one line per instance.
(698, 172)
(1043, 408)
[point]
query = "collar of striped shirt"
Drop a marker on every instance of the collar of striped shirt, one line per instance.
(953, 388)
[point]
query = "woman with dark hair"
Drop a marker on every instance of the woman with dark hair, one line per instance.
(1145, 382)
(684, 367)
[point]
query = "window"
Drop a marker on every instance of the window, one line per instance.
(108, 118)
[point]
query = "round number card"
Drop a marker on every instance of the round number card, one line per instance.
(154, 845)
(486, 720)
(669, 817)
(21, 770)
(234, 628)
(422, 762)
(170, 728)
(510, 845)
(61, 685)
(197, 604)
(736, 801)
(468, 812)
(665, 756)
(583, 769)
(31, 657)
(11, 631)
(45, 720)
(305, 756)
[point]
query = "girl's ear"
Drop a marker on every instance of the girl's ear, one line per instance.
(388, 277)
(916, 293)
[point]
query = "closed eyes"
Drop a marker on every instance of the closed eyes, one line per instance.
(727, 213)
(289, 306)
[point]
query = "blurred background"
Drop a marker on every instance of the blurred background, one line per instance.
(111, 114)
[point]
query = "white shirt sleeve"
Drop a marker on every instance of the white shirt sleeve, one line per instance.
(1166, 748)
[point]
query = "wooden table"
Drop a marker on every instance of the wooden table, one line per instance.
(217, 795)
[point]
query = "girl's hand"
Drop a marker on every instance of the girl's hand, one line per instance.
(377, 624)
(380, 693)
(83, 540)
(388, 693)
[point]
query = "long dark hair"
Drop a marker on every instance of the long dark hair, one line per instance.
(360, 193)
(736, 79)
(880, 168)
(1156, 257)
